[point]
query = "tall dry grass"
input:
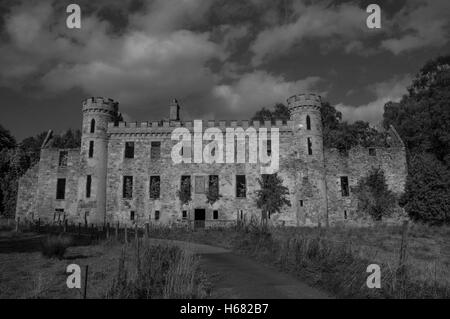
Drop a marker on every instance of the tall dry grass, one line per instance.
(147, 271)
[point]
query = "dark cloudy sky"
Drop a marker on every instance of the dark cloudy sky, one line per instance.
(222, 59)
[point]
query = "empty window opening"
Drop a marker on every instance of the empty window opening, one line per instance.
(156, 214)
(185, 184)
(129, 149)
(213, 184)
(301, 203)
(63, 155)
(155, 151)
(308, 122)
(91, 149)
(57, 215)
(127, 187)
(345, 214)
(184, 214)
(61, 188)
(269, 147)
(241, 186)
(155, 187)
(88, 186)
(309, 146)
(344, 186)
(132, 215)
(92, 126)
(215, 214)
(372, 152)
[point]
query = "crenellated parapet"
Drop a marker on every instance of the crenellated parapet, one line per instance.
(100, 104)
(168, 126)
(304, 100)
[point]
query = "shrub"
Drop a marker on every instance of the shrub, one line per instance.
(373, 195)
(427, 190)
(55, 246)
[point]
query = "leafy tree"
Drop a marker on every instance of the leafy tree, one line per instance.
(272, 196)
(422, 118)
(280, 112)
(213, 191)
(427, 191)
(7, 141)
(184, 194)
(373, 195)
(69, 139)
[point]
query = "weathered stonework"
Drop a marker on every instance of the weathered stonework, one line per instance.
(311, 173)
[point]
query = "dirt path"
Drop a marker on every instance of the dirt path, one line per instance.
(238, 277)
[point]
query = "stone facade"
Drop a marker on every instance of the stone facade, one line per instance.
(94, 176)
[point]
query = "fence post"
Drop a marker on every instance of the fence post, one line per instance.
(147, 232)
(126, 233)
(402, 258)
(117, 230)
(17, 224)
(85, 281)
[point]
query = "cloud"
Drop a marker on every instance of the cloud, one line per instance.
(372, 112)
(422, 24)
(315, 21)
(260, 89)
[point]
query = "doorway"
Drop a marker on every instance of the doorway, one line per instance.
(199, 218)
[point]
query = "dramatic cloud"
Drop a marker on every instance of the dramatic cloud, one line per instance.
(258, 89)
(422, 24)
(315, 21)
(391, 90)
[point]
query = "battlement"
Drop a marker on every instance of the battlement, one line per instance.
(300, 100)
(162, 126)
(101, 104)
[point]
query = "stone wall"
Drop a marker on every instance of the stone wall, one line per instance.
(27, 194)
(356, 165)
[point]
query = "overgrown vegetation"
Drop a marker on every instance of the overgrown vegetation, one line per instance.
(158, 271)
(55, 246)
(17, 158)
(184, 193)
(374, 197)
(272, 196)
(422, 118)
(336, 259)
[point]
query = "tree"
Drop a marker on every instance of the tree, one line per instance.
(373, 195)
(213, 191)
(280, 112)
(422, 118)
(7, 141)
(427, 190)
(272, 196)
(184, 194)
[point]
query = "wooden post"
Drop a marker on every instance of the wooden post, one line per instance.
(147, 231)
(126, 233)
(17, 224)
(85, 282)
(117, 230)
(402, 258)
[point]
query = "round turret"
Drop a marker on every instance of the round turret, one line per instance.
(97, 113)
